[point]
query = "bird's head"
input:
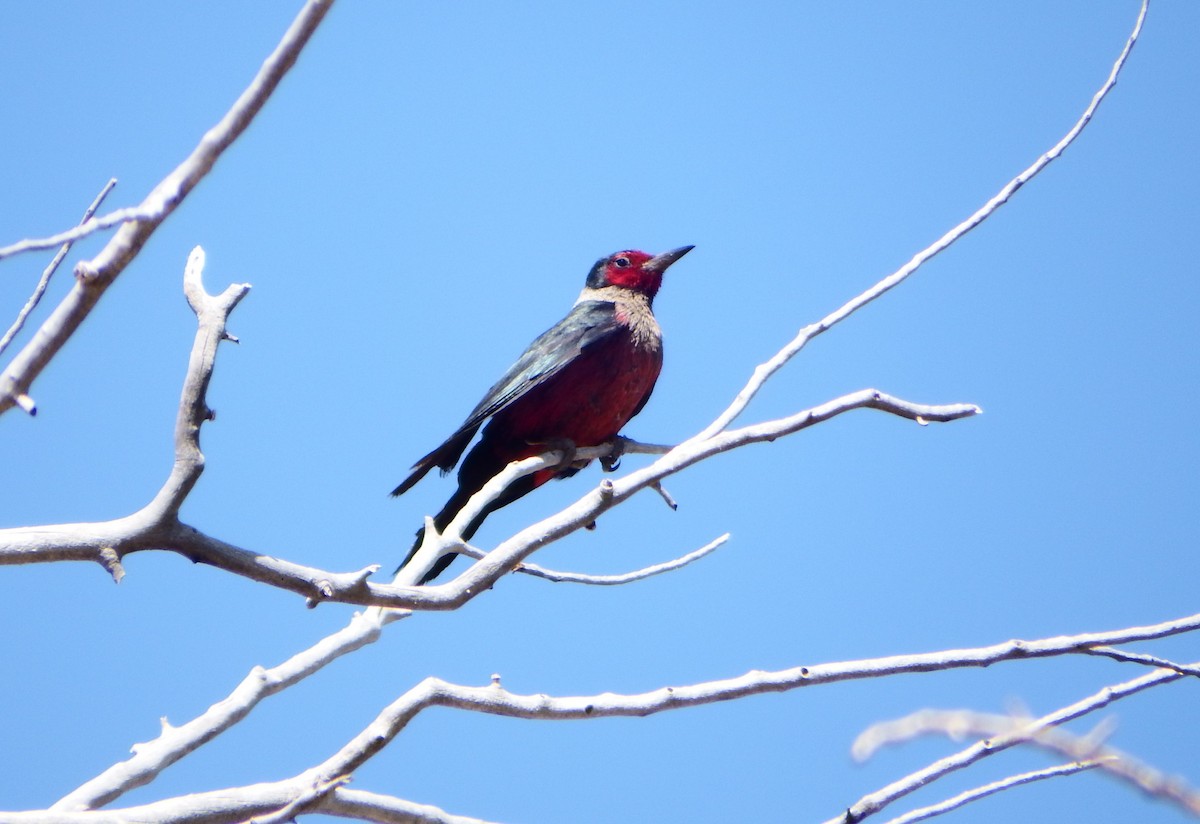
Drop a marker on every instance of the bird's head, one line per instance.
(634, 270)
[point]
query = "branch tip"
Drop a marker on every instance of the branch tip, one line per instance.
(111, 561)
(665, 495)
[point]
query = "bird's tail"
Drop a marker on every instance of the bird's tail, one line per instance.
(440, 521)
(478, 468)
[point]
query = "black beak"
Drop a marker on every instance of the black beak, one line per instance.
(661, 262)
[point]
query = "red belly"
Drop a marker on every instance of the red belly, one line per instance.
(589, 401)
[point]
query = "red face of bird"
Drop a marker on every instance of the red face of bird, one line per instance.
(634, 270)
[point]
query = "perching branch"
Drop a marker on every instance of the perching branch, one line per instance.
(485, 573)
(156, 526)
(93, 277)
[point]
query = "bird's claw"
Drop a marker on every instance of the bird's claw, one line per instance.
(612, 461)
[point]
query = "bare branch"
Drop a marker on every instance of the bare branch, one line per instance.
(494, 699)
(173, 743)
(1002, 732)
(614, 580)
(84, 229)
(387, 809)
(95, 276)
(156, 526)
(764, 371)
(1144, 659)
(212, 312)
(48, 272)
(303, 803)
(870, 804)
(964, 798)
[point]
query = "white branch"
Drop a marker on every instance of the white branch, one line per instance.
(1002, 732)
(975, 794)
(387, 809)
(495, 700)
(48, 272)
(870, 804)
(1145, 660)
(626, 577)
(86, 227)
(580, 577)
(173, 743)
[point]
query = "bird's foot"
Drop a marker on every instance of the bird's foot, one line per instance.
(612, 461)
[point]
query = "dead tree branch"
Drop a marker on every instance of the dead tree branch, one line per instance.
(870, 740)
(1001, 732)
(174, 742)
(977, 793)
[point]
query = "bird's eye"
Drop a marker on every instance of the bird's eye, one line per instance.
(621, 262)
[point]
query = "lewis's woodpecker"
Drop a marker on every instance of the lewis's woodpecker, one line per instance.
(575, 386)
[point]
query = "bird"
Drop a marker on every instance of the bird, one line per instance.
(576, 385)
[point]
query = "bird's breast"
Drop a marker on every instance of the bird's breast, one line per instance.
(590, 399)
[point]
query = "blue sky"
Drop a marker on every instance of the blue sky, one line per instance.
(426, 193)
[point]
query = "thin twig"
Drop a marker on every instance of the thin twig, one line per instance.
(763, 372)
(964, 798)
(874, 802)
(1001, 732)
(614, 580)
(49, 271)
(1143, 659)
(84, 229)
